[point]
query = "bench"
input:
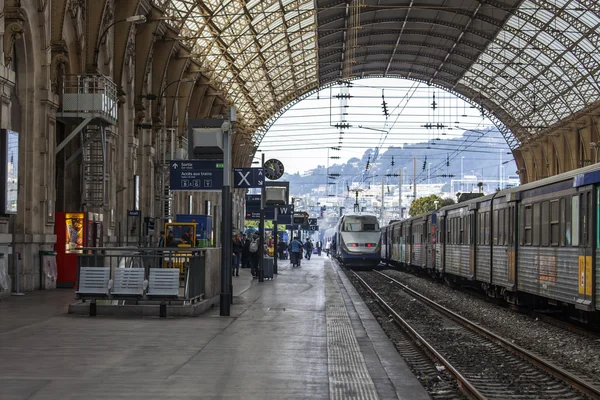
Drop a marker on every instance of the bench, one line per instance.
(164, 283)
(128, 282)
(93, 284)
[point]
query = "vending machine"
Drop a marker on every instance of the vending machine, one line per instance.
(74, 231)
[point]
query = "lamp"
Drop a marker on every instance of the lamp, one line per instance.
(136, 19)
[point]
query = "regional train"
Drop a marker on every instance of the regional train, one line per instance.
(535, 244)
(356, 241)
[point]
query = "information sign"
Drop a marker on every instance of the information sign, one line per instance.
(196, 175)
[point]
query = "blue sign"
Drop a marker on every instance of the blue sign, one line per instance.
(253, 200)
(253, 213)
(133, 213)
(196, 175)
(246, 178)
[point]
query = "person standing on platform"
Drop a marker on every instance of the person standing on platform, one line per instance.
(319, 247)
(254, 254)
(237, 253)
(296, 252)
(245, 251)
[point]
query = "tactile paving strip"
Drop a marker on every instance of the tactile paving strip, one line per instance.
(348, 374)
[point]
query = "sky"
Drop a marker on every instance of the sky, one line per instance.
(303, 136)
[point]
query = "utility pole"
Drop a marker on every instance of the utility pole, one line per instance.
(400, 193)
(414, 178)
(261, 227)
(382, 199)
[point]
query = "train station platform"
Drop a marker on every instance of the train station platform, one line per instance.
(305, 334)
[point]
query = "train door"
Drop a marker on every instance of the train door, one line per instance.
(441, 242)
(470, 237)
(511, 241)
(432, 241)
(582, 236)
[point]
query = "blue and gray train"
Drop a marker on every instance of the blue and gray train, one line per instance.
(534, 244)
(356, 241)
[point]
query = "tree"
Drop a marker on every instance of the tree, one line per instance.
(424, 205)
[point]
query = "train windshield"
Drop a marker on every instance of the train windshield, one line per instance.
(360, 224)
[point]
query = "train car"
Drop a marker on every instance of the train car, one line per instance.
(358, 240)
(532, 244)
(458, 245)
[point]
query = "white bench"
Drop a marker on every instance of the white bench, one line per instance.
(163, 282)
(128, 282)
(93, 282)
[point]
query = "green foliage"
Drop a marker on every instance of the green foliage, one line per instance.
(254, 224)
(424, 205)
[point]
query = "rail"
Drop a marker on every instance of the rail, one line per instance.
(574, 381)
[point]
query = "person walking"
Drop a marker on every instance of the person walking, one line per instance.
(308, 246)
(319, 247)
(296, 252)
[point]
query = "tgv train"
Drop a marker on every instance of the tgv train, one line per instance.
(535, 243)
(356, 241)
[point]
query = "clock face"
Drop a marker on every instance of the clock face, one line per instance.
(273, 169)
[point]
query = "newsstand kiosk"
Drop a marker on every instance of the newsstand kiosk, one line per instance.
(74, 231)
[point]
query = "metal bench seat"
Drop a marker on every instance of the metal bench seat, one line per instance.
(93, 282)
(163, 282)
(128, 282)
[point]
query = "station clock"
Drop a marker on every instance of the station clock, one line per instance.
(273, 169)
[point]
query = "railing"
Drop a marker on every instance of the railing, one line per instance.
(191, 264)
(86, 95)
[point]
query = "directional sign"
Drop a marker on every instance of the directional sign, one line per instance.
(253, 213)
(196, 175)
(245, 178)
(133, 213)
(312, 221)
(286, 210)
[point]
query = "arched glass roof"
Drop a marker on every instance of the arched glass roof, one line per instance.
(531, 64)
(261, 53)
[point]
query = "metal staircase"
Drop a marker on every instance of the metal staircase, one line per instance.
(89, 103)
(94, 166)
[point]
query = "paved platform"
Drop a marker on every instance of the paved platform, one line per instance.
(306, 334)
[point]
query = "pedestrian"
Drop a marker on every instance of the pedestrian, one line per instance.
(245, 251)
(254, 254)
(296, 252)
(319, 247)
(308, 246)
(237, 253)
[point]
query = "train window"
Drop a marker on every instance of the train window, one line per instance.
(545, 224)
(554, 223)
(573, 233)
(528, 231)
(537, 225)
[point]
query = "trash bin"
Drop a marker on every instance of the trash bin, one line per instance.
(47, 270)
(268, 267)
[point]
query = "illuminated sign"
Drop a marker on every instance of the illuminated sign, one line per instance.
(9, 170)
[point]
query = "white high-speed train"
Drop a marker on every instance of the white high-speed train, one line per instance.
(357, 240)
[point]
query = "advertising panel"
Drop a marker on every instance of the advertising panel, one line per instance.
(74, 223)
(9, 170)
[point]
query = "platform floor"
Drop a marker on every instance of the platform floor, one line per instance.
(306, 334)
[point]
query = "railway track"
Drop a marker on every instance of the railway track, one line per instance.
(485, 365)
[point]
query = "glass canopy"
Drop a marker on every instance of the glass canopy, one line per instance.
(261, 53)
(539, 67)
